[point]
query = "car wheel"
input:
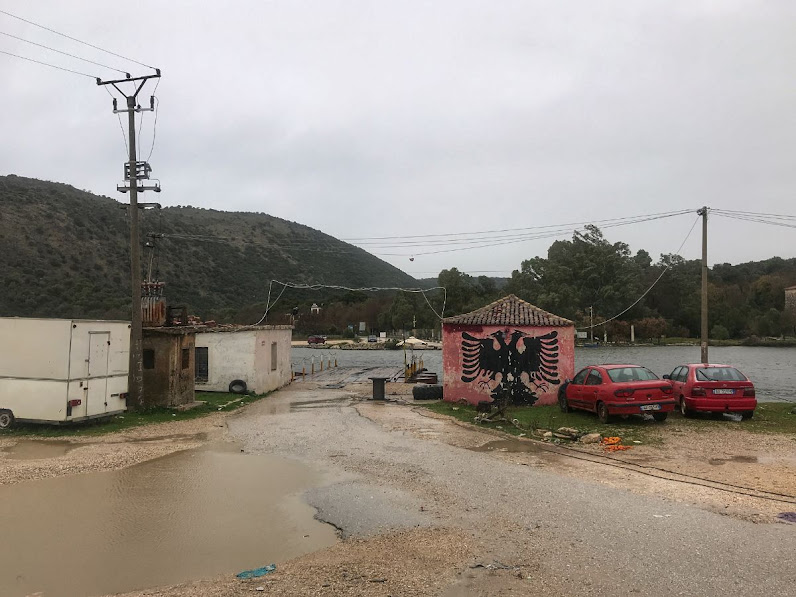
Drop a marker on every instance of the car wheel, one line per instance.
(602, 412)
(6, 419)
(660, 417)
(563, 403)
(684, 410)
(747, 414)
(237, 386)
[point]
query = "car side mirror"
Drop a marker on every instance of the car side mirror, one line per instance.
(666, 377)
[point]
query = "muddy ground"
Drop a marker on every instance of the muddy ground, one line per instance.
(425, 538)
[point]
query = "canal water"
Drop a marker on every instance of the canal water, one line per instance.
(773, 370)
(191, 515)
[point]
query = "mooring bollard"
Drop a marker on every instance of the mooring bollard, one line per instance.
(378, 387)
(335, 363)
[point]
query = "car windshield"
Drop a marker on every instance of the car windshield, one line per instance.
(631, 374)
(719, 374)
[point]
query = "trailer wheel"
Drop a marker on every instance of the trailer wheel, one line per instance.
(237, 386)
(6, 419)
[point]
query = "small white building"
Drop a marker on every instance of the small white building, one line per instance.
(243, 359)
(315, 309)
(62, 370)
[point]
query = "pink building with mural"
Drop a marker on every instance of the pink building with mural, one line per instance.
(508, 348)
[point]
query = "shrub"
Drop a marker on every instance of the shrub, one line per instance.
(719, 332)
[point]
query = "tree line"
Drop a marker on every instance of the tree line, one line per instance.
(589, 271)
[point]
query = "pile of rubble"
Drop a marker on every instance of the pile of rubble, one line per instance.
(569, 434)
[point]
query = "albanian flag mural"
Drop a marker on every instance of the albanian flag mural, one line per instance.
(512, 367)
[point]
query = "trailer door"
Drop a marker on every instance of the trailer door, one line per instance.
(96, 395)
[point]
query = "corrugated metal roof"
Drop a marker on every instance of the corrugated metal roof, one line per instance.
(509, 310)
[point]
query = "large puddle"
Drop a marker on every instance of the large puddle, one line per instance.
(190, 515)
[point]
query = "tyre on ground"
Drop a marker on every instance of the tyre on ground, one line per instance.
(660, 417)
(237, 386)
(6, 419)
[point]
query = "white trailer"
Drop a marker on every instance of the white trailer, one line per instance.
(62, 370)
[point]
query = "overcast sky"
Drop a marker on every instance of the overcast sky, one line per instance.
(394, 118)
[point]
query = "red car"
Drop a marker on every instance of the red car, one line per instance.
(618, 390)
(316, 340)
(712, 388)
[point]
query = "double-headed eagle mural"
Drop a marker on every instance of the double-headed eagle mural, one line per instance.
(512, 365)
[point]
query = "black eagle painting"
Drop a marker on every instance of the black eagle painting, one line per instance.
(513, 366)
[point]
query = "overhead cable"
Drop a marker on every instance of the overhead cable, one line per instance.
(68, 70)
(80, 41)
(286, 285)
(481, 232)
(33, 43)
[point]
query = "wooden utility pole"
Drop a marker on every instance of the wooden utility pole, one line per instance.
(135, 171)
(704, 335)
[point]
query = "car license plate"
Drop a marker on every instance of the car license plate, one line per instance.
(723, 391)
(651, 407)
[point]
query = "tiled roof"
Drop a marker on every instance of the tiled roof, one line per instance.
(791, 287)
(509, 310)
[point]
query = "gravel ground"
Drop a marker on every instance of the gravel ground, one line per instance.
(109, 452)
(422, 513)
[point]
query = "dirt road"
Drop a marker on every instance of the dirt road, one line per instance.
(423, 509)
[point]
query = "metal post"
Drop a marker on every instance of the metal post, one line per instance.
(591, 323)
(136, 374)
(704, 335)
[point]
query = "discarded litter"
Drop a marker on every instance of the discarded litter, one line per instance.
(617, 448)
(610, 441)
(787, 516)
(257, 572)
(661, 515)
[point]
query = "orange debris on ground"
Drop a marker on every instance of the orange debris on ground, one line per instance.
(610, 441)
(617, 448)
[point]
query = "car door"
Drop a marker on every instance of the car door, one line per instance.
(594, 390)
(575, 388)
(677, 380)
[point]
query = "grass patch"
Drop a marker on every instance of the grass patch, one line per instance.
(551, 418)
(214, 402)
(769, 418)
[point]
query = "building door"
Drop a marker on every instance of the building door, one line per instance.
(201, 364)
(97, 384)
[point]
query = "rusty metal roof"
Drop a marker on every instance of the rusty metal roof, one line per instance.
(509, 310)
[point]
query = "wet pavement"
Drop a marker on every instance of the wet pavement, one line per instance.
(194, 514)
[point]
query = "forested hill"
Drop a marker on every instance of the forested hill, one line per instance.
(65, 253)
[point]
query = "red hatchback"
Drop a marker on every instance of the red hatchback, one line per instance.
(617, 390)
(712, 388)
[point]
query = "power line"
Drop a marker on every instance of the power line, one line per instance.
(752, 213)
(758, 220)
(482, 244)
(85, 43)
(27, 41)
(68, 70)
(646, 292)
(482, 232)
(155, 125)
(286, 285)
(121, 126)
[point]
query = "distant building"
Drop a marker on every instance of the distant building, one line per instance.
(242, 359)
(509, 347)
(315, 309)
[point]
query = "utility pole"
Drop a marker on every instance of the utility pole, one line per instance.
(704, 335)
(591, 323)
(134, 171)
